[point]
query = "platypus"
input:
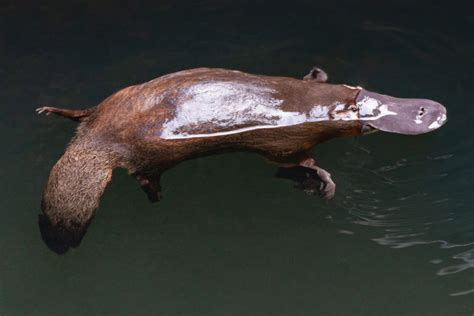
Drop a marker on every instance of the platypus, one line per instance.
(151, 127)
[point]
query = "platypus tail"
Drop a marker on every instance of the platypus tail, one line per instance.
(75, 115)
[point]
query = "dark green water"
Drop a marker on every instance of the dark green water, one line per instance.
(229, 238)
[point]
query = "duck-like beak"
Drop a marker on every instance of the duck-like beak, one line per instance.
(396, 115)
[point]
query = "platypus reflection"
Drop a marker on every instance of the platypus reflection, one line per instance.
(152, 127)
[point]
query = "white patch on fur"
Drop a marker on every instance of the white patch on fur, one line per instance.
(339, 107)
(341, 113)
(224, 105)
(235, 131)
(227, 104)
(345, 116)
(318, 113)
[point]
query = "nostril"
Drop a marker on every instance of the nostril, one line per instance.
(421, 112)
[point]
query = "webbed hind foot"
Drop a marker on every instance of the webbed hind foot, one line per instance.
(151, 186)
(75, 115)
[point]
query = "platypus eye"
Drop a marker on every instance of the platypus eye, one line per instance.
(352, 107)
(421, 111)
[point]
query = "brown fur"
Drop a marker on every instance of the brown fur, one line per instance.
(76, 183)
(123, 132)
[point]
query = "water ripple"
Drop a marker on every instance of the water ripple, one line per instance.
(467, 257)
(412, 205)
(471, 291)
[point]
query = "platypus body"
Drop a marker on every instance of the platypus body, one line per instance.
(152, 127)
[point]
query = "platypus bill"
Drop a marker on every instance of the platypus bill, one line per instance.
(152, 127)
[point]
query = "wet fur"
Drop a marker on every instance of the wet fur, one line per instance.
(123, 131)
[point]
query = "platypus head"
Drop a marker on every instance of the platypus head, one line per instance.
(396, 115)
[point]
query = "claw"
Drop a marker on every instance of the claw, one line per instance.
(329, 191)
(43, 109)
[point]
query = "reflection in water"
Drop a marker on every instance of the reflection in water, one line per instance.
(409, 207)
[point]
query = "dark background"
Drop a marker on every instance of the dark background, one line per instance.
(229, 238)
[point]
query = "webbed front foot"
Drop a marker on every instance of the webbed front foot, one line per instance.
(306, 173)
(316, 74)
(306, 180)
(151, 186)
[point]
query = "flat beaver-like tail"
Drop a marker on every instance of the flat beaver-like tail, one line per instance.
(72, 194)
(75, 115)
